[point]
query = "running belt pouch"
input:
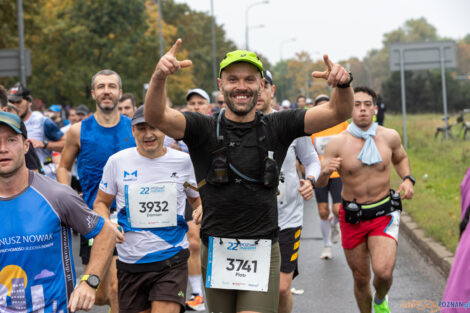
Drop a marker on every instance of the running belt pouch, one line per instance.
(351, 216)
(180, 258)
(395, 200)
(271, 173)
(218, 172)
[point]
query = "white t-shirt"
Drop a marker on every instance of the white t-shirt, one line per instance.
(127, 168)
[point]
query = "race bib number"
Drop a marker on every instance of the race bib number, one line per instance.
(320, 144)
(240, 265)
(151, 205)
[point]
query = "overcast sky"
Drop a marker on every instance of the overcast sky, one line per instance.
(341, 28)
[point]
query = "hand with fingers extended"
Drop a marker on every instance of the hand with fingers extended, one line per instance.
(335, 74)
(82, 298)
(169, 64)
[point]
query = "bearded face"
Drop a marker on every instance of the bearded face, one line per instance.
(241, 84)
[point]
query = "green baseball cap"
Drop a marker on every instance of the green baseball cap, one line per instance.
(241, 56)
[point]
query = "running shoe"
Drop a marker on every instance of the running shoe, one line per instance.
(383, 307)
(334, 233)
(196, 303)
(326, 253)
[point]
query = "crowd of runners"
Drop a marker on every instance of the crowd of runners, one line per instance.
(211, 195)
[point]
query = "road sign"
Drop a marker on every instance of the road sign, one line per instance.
(10, 62)
(422, 56)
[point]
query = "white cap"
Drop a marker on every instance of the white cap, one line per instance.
(285, 103)
(199, 92)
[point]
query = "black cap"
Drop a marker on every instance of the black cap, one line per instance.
(82, 109)
(17, 93)
(138, 116)
(268, 76)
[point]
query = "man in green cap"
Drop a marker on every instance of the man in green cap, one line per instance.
(237, 156)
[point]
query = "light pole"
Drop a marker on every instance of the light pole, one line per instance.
(19, 4)
(247, 28)
(280, 48)
(214, 62)
(250, 28)
(284, 42)
(160, 36)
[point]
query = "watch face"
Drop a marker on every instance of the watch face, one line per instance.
(93, 281)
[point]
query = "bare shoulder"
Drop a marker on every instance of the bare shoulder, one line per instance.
(390, 135)
(73, 135)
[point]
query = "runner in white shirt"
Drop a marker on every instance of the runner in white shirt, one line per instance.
(290, 201)
(150, 184)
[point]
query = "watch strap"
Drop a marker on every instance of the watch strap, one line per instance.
(348, 84)
(312, 181)
(413, 181)
(86, 278)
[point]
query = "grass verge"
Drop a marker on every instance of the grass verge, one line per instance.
(439, 167)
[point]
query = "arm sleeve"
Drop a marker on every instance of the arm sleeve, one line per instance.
(108, 181)
(52, 131)
(308, 156)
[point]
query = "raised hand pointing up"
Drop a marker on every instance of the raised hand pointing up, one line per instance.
(335, 74)
(168, 64)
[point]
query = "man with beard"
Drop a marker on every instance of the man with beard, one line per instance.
(92, 141)
(292, 192)
(237, 156)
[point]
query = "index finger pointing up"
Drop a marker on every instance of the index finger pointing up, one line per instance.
(327, 61)
(175, 47)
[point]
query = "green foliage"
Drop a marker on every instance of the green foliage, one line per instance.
(71, 40)
(439, 167)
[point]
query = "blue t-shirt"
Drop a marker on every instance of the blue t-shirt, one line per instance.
(36, 262)
(97, 144)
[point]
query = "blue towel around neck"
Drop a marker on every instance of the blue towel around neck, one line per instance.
(369, 154)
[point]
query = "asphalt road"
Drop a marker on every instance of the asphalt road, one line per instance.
(328, 285)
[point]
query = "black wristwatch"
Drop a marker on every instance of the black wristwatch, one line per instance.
(45, 142)
(312, 181)
(348, 84)
(411, 178)
(92, 280)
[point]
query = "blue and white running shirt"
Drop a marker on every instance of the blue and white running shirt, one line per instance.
(36, 262)
(128, 167)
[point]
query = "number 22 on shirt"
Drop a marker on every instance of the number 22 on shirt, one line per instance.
(151, 205)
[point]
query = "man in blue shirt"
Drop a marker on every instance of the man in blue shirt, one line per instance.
(36, 262)
(92, 141)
